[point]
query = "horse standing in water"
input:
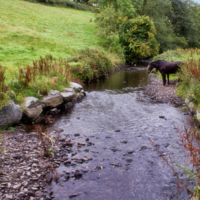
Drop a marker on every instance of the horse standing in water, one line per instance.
(165, 67)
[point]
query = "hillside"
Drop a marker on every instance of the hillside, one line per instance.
(30, 30)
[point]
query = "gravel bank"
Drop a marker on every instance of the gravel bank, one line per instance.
(165, 94)
(24, 171)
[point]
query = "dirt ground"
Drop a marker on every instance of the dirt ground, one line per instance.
(161, 93)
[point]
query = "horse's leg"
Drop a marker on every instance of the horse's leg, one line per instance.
(168, 78)
(164, 79)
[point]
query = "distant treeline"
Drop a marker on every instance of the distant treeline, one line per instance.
(173, 23)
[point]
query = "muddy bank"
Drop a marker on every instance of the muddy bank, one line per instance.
(160, 93)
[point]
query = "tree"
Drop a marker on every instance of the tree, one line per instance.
(184, 20)
(137, 36)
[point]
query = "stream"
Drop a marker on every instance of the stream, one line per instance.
(119, 121)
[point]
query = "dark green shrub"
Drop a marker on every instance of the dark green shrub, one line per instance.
(95, 64)
(137, 37)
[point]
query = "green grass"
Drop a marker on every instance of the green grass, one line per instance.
(30, 30)
(178, 55)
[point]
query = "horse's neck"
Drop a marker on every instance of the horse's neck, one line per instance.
(157, 68)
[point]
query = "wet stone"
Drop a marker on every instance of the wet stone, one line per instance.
(131, 151)
(73, 195)
(15, 175)
(49, 177)
(162, 117)
(17, 187)
(143, 148)
(65, 158)
(34, 188)
(69, 144)
(9, 196)
(21, 195)
(68, 162)
(115, 149)
(17, 156)
(89, 144)
(124, 141)
(38, 194)
(77, 175)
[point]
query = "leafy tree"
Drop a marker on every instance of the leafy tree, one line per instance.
(175, 22)
(137, 36)
(159, 10)
(184, 21)
(109, 22)
(127, 8)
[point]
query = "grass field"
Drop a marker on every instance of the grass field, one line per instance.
(30, 30)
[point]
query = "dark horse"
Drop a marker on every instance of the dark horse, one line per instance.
(165, 67)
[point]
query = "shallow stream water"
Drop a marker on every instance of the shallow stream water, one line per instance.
(120, 120)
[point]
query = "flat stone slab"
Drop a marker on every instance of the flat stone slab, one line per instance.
(52, 100)
(68, 96)
(54, 92)
(29, 101)
(69, 90)
(77, 87)
(32, 108)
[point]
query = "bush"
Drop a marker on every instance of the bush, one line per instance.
(109, 21)
(190, 84)
(137, 37)
(95, 64)
(170, 56)
(4, 97)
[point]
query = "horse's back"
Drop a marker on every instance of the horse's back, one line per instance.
(172, 67)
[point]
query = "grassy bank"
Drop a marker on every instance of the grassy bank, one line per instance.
(30, 31)
(189, 87)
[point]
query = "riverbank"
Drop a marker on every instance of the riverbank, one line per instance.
(160, 93)
(99, 143)
(24, 171)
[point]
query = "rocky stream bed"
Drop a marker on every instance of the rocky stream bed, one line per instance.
(26, 174)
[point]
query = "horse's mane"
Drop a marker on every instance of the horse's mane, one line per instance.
(157, 63)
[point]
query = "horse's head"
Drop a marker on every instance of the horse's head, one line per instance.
(150, 67)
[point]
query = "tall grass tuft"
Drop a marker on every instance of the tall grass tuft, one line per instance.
(189, 87)
(4, 98)
(3, 88)
(36, 80)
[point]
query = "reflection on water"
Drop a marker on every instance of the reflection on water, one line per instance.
(129, 77)
(119, 120)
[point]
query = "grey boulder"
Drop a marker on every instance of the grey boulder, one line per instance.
(32, 108)
(9, 115)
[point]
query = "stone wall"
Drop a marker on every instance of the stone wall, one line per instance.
(32, 108)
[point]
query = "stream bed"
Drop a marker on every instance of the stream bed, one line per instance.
(113, 126)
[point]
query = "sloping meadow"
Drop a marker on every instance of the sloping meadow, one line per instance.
(38, 41)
